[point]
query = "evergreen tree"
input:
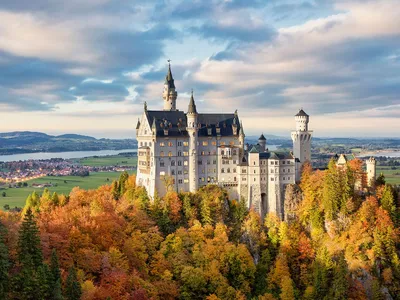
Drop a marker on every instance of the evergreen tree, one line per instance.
(340, 286)
(332, 197)
(4, 264)
(115, 190)
(205, 212)
(56, 293)
(121, 184)
(54, 199)
(380, 180)
(29, 249)
(73, 290)
(388, 202)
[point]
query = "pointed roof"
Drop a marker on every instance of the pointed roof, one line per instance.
(169, 79)
(241, 131)
(138, 124)
(192, 105)
(262, 137)
(301, 113)
(253, 150)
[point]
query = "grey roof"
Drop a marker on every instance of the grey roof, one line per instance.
(276, 155)
(169, 79)
(262, 137)
(253, 150)
(192, 105)
(301, 113)
(176, 123)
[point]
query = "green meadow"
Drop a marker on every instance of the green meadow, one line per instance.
(114, 160)
(391, 176)
(64, 184)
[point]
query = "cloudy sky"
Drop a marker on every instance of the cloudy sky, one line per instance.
(88, 66)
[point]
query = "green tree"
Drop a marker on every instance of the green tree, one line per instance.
(56, 292)
(121, 183)
(73, 288)
(340, 285)
(54, 199)
(115, 190)
(380, 180)
(388, 202)
(205, 212)
(4, 263)
(4, 194)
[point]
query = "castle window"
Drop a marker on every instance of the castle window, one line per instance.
(272, 170)
(288, 178)
(214, 143)
(186, 180)
(284, 178)
(254, 179)
(222, 170)
(222, 152)
(141, 144)
(272, 179)
(203, 153)
(162, 173)
(169, 153)
(169, 144)
(243, 170)
(200, 162)
(162, 144)
(234, 170)
(185, 171)
(283, 170)
(185, 144)
(229, 170)
(234, 161)
(243, 178)
(161, 163)
(172, 172)
(272, 162)
(208, 162)
(283, 162)
(185, 153)
(162, 153)
(234, 152)
(214, 162)
(254, 162)
(179, 163)
(205, 143)
(180, 181)
(254, 171)
(179, 153)
(185, 163)
(234, 178)
(172, 163)
(179, 172)
(179, 143)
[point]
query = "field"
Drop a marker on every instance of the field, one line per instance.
(17, 196)
(115, 160)
(391, 176)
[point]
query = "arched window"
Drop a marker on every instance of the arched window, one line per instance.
(161, 163)
(172, 163)
(162, 153)
(169, 153)
(222, 152)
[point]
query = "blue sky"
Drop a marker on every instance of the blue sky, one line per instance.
(88, 66)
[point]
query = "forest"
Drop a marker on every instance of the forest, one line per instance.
(339, 240)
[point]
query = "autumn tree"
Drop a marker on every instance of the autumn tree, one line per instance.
(4, 263)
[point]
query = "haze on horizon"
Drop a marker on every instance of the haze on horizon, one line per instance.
(87, 66)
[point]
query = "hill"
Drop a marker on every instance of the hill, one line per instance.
(29, 142)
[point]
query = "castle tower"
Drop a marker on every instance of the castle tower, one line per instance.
(262, 141)
(169, 93)
(371, 171)
(301, 138)
(192, 129)
(241, 140)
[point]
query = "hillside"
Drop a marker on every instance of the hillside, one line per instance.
(29, 142)
(115, 243)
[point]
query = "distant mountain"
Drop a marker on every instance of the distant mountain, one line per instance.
(75, 136)
(28, 142)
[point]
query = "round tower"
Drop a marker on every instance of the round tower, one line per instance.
(301, 138)
(169, 93)
(302, 120)
(192, 130)
(371, 171)
(262, 141)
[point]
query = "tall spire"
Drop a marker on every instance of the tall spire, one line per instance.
(192, 105)
(169, 79)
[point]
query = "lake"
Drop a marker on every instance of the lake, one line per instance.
(386, 153)
(64, 155)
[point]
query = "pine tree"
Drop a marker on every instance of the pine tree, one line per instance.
(121, 184)
(388, 202)
(115, 190)
(73, 290)
(54, 199)
(331, 193)
(29, 242)
(56, 293)
(4, 264)
(205, 212)
(340, 286)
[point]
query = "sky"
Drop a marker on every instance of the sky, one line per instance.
(88, 66)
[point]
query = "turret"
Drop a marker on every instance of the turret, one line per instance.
(169, 93)
(241, 140)
(262, 141)
(192, 129)
(301, 120)
(371, 171)
(301, 138)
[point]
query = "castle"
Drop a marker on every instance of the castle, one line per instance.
(193, 149)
